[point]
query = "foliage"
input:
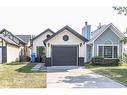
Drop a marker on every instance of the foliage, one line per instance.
(107, 62)
(41, 53)
(97, 60)
(116, 62)
(123, 59)
(121, 10)
(124, 40)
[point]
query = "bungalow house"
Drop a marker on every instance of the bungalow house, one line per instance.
(103, 42)
(12, 48)
(67, 47)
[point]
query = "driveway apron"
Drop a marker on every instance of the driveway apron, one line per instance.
(77, 77)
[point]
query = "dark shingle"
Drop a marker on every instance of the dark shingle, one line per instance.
(25, 38)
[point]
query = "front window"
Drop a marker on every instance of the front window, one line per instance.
(108, 51)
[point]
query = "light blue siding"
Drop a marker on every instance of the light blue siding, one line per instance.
(108, 35)
(88, 53)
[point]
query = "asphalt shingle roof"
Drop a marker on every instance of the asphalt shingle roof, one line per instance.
(8, 40)
(25, 38)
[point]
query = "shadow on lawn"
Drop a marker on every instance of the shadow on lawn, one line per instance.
(90, 80)
(118, 75)
(27, 69)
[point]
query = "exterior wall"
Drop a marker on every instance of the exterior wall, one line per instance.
(28, 49)
(39, 41)
(12, 53)
(58, 40)
(108, 35)
(0, 42)
(88, 53)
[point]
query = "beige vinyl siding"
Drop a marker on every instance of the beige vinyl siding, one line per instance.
(39, 41)
(58, 40)
(12, 53)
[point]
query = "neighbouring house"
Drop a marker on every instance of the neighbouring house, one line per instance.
(67, 47)
(38, 45)
(27, 39)
(12, 48)
(125, 45)
(103, 42)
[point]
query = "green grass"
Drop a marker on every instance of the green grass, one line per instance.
(20, 76)
(117, 73)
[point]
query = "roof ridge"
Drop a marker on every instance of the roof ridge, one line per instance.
(69, 29)
(48, 29)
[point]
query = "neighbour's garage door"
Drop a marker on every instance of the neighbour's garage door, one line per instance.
(64, 55)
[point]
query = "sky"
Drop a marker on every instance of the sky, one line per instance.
(35, 16)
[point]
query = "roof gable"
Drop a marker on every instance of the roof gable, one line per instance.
(43, 33)
(5, 38)
(103, 29)
(70, 30)
(8, 33)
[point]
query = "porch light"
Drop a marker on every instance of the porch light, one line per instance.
(48, 44)
(80, 44)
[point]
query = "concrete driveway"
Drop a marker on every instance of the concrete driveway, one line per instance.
(77, 77)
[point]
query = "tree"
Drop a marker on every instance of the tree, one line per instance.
(124, 40)
(121, 10)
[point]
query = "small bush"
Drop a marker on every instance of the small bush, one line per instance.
(116, 62)
(105, 62)
(123, 59)
(97, 60)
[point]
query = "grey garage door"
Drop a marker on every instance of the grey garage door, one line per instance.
(64, 55)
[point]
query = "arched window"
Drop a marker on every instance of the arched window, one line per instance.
(108, 42)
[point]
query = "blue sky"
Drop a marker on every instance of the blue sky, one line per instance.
(34, 16)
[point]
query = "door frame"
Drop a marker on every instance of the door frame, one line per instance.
(77, 50)
(4, 59)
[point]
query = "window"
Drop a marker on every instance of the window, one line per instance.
(100, 51)
(115, 52)
(108, 51)
(48, 36)
(65, 37)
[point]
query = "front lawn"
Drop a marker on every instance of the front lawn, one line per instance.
(117, 73)
(20, 76)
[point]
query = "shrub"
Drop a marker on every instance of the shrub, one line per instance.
(106, 62)
(123, 59)
(116, 62)
(97, 60)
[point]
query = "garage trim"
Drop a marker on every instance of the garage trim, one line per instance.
(77, 47)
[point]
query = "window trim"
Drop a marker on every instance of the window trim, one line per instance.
(112, 50)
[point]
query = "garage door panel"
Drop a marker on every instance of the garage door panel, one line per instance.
(64, 55)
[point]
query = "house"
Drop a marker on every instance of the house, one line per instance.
(12, 48)
(67, 47)
(37, 43)
(103, 42)
(27, 39)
